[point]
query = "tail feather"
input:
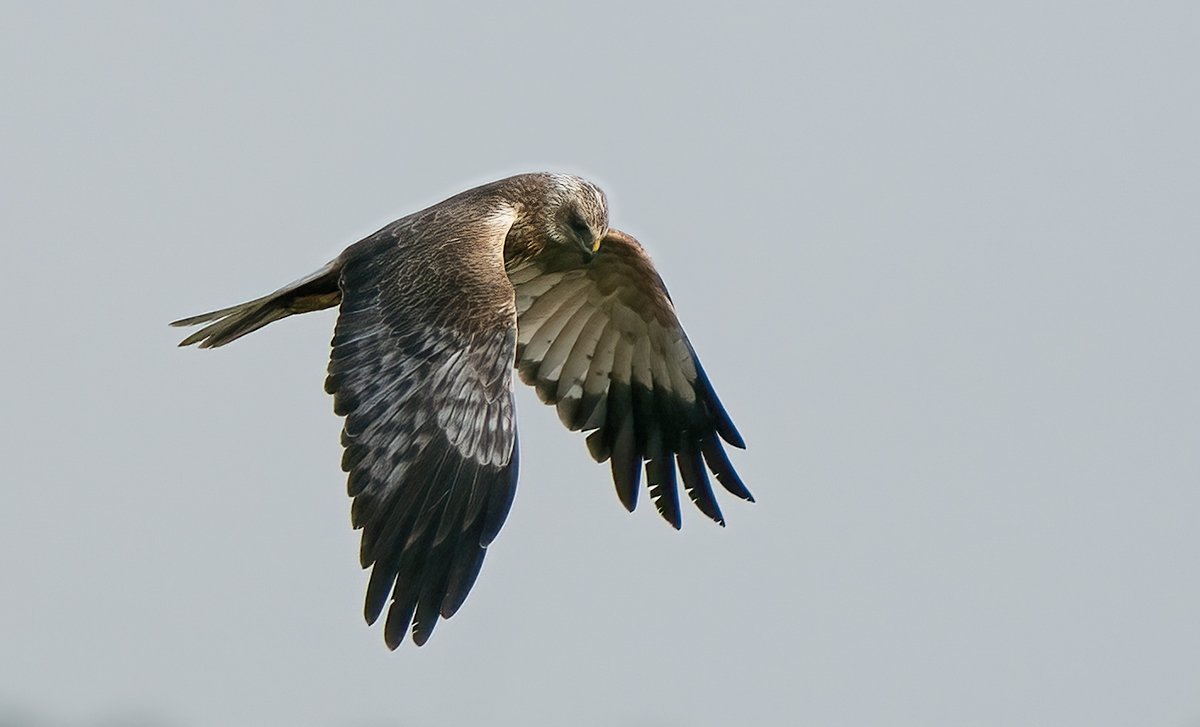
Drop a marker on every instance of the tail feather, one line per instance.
(315, 292)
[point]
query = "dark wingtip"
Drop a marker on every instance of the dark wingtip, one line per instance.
(423, 631)
(715, 457)
(696, 483)
(626, 465)
(627, 494)
(377, 595)
(727, 431)
(721, 421)
(392, 642)
(598, 446)
(664, 490)
(398, 619)
(393, 636)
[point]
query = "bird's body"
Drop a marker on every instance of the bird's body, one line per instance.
(436, 309)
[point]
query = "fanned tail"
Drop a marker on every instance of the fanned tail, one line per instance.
(315, 292)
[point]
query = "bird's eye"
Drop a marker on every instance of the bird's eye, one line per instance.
(580, 228)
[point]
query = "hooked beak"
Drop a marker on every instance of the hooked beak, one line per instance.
(589, 253)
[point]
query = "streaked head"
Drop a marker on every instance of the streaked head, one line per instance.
(577, 213)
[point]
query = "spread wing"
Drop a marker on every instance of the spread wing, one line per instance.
(601, 342)
(425, 385)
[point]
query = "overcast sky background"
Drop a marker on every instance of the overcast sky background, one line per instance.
(941, 262)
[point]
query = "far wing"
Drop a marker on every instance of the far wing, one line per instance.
(601, 341)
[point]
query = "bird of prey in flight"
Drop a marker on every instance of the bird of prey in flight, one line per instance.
(435, 312)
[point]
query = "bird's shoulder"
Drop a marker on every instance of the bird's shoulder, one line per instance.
(445, 261)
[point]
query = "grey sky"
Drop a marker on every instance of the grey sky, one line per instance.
(939, 260)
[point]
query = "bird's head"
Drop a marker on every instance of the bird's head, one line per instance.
(577, 213)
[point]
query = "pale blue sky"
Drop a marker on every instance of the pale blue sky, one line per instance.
(939, 260)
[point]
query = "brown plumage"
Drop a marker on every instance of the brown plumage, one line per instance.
(436, 310)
